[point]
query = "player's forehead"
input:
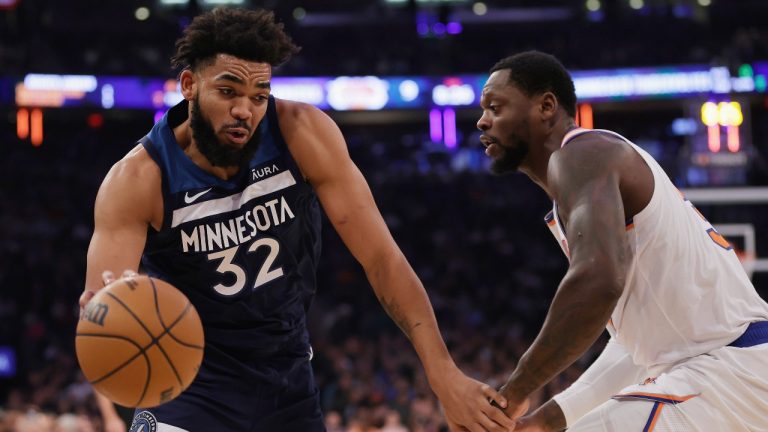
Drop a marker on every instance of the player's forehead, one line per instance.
(498, 84)
(227, 67)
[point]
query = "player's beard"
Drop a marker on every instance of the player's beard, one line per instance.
(220, 154)
(512, 156)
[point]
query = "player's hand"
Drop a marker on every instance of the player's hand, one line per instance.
(466, 404)
(516, 407)
(107, 277)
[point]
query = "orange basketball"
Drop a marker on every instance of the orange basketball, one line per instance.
(139, 341)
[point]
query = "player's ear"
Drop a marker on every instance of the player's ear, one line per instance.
(188, 84)
(548, 105)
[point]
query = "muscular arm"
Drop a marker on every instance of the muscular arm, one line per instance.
(585, 176)
(129, 200)
(320, 151)
(319, 148)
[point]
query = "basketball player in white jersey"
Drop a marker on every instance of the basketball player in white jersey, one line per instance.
(689, 334)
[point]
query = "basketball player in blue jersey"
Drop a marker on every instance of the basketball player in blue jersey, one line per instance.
(689, 333)
(222, 200)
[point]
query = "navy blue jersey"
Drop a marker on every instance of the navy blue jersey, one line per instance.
(243, 250)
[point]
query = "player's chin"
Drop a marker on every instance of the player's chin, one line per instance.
(503, 165)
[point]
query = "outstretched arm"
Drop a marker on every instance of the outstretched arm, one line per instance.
(585, 177)
(319, 148)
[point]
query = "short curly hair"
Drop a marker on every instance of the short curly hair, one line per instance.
(535, 72)
(247, 34)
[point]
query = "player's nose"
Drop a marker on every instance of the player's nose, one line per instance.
(483, 123)
(241, 111)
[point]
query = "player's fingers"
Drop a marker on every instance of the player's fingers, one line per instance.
(129, 273)
(500, 419)
(493, 395)
(107, 277)
(85, 297)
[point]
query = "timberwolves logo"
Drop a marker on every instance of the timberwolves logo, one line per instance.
(144, 422)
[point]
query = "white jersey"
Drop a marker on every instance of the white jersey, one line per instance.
(686, 292)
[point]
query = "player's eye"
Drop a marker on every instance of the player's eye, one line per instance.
(226, 91)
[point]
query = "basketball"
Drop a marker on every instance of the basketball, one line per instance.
(139, 342)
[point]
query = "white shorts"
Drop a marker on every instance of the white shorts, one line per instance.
(723, 390)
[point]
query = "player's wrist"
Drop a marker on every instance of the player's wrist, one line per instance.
(549, 417)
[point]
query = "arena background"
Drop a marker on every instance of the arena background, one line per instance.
(82, 80)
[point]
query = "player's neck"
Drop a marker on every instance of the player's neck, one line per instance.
(537, 165)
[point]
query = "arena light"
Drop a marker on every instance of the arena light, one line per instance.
(107, 96)
(479, 9)
(69, 83)
(36, 123)
(22, 123)
(733, 141)
(453, 93)
(730, 114)
(174, 2)
(713, 138)
(307, 90)
(584, 116)
(141, 14)
(435, 125)
(449, 128)
(7, 361)
(710, 115)
(409, 90)
(357, 93)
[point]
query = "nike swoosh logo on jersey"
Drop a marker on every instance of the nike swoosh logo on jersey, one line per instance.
(190, 199)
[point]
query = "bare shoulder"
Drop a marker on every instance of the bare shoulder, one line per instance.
(136, 171)
(300, 116)
(312, 137)
(605, 159)
(589, 155)
(132, 187)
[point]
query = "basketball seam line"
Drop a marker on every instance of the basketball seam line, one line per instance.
(166, 330)
(142, 351)
(173, 324)
(152, 337)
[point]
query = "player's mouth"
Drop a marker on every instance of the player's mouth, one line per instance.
(237, 136)
(492, 147)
